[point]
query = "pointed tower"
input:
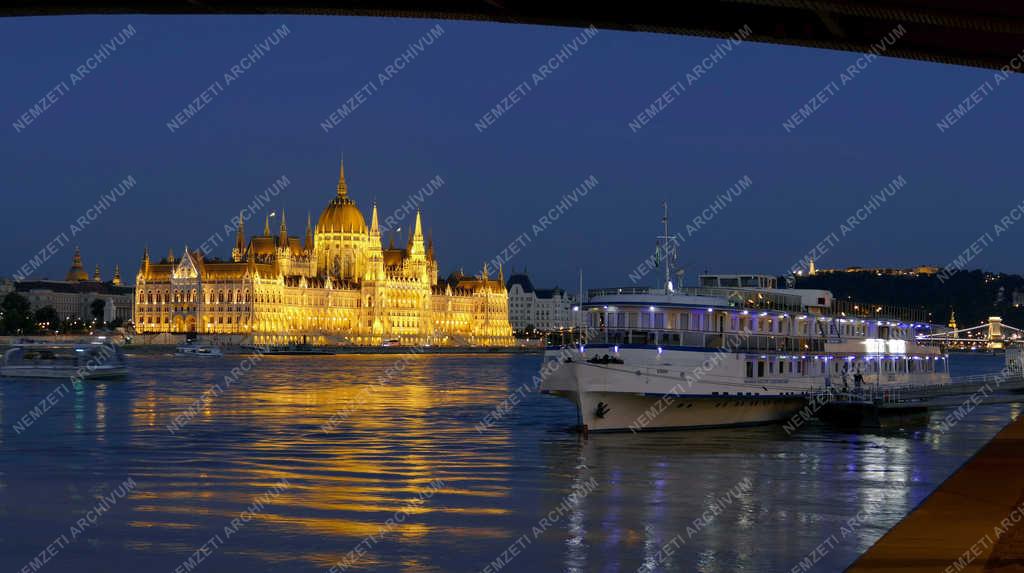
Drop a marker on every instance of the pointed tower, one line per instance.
(374, 283)
(432, 270)
(309, 233)
(282, 240)
(77, 272)
(374, 250)
(116, 281)
(342, 186)
(416, 249)
(170, 255)
(952, 318)
(239, 251)
(144, 270)
(501, 274)
(96, 274)
(266, 226)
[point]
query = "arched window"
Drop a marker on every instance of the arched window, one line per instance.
(220, 297)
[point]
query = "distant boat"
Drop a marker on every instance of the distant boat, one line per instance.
(198, 350)
(83, 361)
(391, 342)
(295, 349)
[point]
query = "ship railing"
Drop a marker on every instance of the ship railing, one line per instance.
(730, 341)
(866, 394)
(908, 393)
(738, 297)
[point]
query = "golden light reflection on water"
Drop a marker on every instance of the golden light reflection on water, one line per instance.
(401, 435)
(397, 437)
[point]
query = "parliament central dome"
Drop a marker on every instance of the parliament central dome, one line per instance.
(341, 215)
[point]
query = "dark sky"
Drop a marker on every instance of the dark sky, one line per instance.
(498, 183)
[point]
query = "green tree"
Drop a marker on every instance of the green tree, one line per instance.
(47, 318)
(17, 315)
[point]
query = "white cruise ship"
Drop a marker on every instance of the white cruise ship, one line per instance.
(736, 350)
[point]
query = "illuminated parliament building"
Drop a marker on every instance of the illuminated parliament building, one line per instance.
(338, 285)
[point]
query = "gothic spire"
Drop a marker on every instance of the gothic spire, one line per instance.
(417, 234)
(374, 226)
(416, 238)
(117, 276)
(266, 226)
(170, 255)
(309, 232)
(283, 241)
(240, 236)
(342, 186)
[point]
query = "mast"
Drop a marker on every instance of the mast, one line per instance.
(579, 311)
(664, 246)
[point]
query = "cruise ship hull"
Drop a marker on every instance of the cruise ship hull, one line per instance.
(613, 398)
(635, 413)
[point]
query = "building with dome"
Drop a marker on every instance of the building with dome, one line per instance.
(74, 296)
(336, 285)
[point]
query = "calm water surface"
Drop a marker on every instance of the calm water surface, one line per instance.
(417, 428)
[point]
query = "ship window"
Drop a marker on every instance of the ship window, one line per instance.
(750, 369)
(771, 367)
(659, 320)
(760, 368)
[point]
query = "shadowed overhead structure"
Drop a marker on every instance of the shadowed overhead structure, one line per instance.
(982, 33)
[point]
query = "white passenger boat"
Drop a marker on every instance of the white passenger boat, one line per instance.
(198, 350)
(86, 361)
(735, 350)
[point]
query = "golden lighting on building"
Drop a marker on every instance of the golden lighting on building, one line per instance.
(337, 285)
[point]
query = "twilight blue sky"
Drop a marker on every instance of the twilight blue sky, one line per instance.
(498, 183)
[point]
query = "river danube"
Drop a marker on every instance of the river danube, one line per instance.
(305, 463)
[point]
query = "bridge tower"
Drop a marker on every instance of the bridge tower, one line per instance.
(995, 332)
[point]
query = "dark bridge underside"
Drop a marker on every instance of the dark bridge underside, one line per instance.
(982, 33)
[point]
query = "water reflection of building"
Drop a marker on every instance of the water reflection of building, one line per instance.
(337, 282)
(74, 296)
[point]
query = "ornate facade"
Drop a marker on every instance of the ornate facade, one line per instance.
(337, 285)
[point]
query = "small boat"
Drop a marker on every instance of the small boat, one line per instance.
(198, 350)
(86, 361)
(294, 350)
